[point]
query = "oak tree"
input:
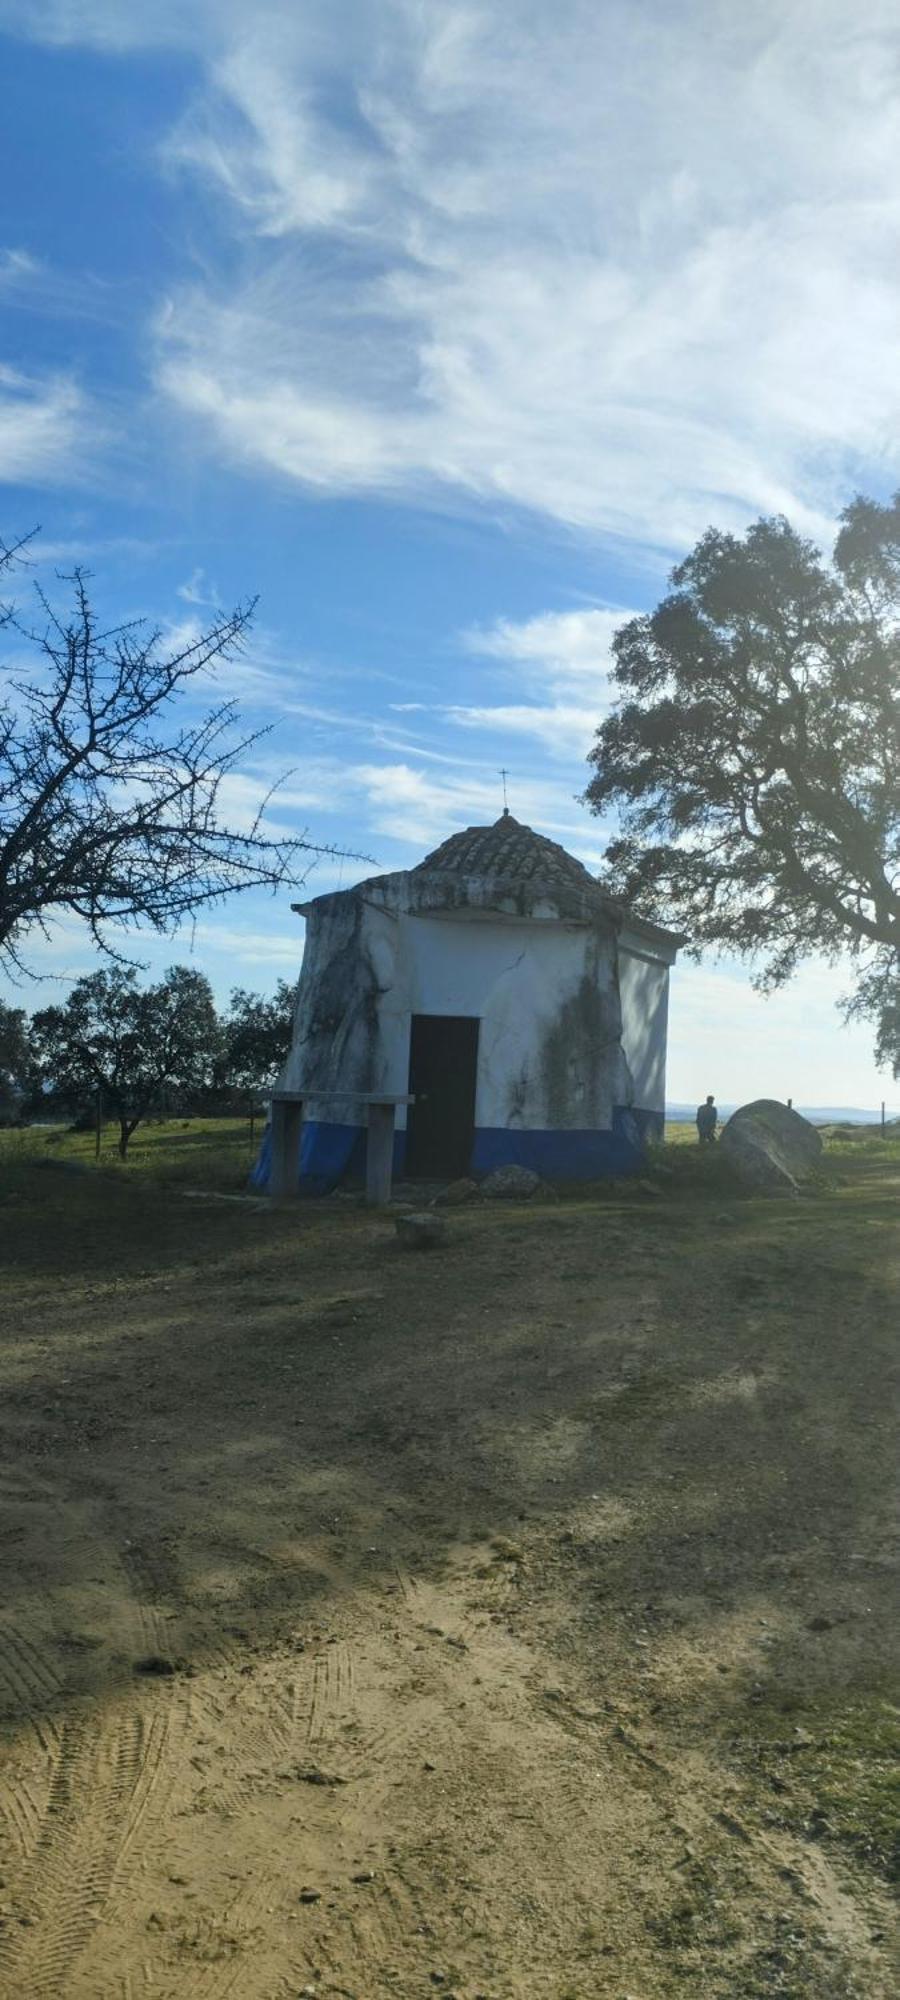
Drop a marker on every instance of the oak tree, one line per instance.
(753, 754)
(257, 1036)
(18, 1070)
(138, 1047)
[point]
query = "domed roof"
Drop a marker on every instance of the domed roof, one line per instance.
(510, 851)
(506, 868)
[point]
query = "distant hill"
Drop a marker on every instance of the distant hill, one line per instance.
(818, 1114)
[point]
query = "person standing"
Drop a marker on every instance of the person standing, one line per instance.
(707, 1120)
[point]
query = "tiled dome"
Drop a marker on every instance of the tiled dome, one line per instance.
(511, 852)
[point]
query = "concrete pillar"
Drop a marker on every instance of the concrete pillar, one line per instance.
(287, 1131)
(379, 1154)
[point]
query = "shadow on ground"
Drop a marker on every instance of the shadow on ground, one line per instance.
(654, 1439)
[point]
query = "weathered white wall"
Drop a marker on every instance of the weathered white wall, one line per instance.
(546, 997)
(336, 1042)
(562, 1041)
(644, 989)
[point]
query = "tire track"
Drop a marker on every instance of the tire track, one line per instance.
(20, 1816)
(156, 1747)
(75, 1856)
(332, 1700)
(260, 1728)
(222, 1973)
(151, 1575)
(110, 1773)
(392, 1915)
(109, 1782)
(28, 1688)
(268, 1725)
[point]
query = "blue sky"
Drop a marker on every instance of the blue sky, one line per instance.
(446, 329)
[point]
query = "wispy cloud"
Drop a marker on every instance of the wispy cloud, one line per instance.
(571, 648)
(48, 429)
(633, 268)
(29, 282)
(18, 270)
(197, 589)
(563, 730)
(521, 268)
(561, 659)
(106, 24)
(417, 807)
(269, 954)
(60, 555)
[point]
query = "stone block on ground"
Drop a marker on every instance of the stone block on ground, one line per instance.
(770, 1147)
(511, 1184)
(420, 1232)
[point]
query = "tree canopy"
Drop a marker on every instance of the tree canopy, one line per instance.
(134, 1045)
(257, 1034)
(111, 801)
(754, 750)
(17, 1063)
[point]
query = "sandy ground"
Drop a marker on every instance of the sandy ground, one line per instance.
(513, 1619)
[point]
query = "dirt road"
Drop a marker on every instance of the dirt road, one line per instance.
(512, 1620)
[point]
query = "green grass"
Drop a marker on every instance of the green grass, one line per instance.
(201, 1152)
(836, 1773)
(216, 1152)
(684, 1133)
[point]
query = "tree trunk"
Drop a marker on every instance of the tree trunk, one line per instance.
(125, 1131)
(127, 1128)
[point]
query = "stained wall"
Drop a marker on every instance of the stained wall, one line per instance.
(571, 1069)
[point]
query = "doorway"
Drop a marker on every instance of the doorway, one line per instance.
(443, 1069)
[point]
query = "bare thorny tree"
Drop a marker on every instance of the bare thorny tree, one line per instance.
(110, 801)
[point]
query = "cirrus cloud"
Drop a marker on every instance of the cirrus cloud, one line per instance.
(47, 428)
(632, 269)
(624, 268)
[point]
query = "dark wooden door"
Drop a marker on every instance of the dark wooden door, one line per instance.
(443, 1067)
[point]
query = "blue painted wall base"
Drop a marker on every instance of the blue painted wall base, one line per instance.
(330, 1154)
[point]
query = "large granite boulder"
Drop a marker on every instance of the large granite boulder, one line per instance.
(770, 1147)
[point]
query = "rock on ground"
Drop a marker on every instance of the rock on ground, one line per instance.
(511, 1184)
(458, 1193)
(420, 1232)
(770, 1146)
